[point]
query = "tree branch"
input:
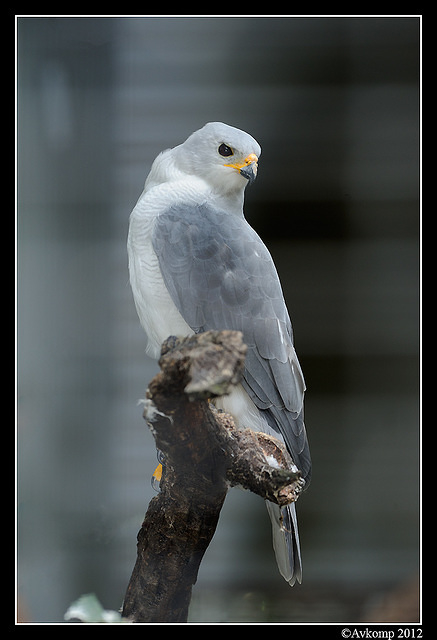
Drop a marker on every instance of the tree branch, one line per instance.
(204, 455)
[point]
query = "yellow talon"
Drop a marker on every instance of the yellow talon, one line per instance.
(158, 473)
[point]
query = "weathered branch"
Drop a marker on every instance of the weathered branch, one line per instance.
(204, 455)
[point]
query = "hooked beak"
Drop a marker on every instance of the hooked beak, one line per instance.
(248, 168)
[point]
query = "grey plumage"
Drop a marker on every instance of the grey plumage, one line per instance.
(220, 275)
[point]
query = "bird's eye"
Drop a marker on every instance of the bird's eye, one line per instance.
(224, 150)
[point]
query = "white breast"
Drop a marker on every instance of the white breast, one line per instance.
(158, 314)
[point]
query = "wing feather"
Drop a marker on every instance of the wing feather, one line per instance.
(220, 275)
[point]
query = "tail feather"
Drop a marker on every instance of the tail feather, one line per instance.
(286, 541)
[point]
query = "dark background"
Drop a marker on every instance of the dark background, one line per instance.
(334, 103)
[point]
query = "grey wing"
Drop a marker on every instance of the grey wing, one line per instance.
(220, 275)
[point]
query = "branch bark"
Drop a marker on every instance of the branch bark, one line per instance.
(204, 455)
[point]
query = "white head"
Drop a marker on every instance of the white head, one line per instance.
(223, 156)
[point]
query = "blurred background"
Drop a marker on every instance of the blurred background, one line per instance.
(334, 103)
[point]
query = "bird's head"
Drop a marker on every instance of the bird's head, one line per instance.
(226, 157)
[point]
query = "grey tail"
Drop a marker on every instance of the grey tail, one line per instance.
(286, 541)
